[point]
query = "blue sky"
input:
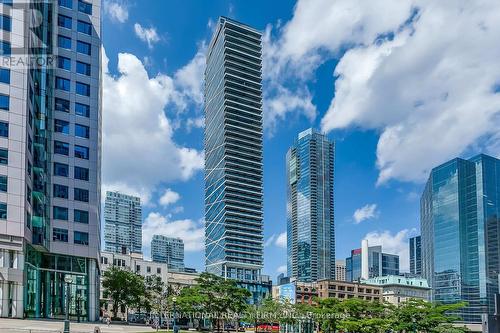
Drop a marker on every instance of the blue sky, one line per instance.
(397, 99)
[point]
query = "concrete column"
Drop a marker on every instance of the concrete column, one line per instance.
(2, 258)
(364, 260)
(2, 295)
(17, 301)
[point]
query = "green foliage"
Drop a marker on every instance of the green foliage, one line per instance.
(123, 287)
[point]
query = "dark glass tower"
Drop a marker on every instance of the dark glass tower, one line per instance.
(233, 153)
(415, 255)
(460, 234)
(310, 219)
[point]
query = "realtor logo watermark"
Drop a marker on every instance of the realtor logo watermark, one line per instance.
(31, 45)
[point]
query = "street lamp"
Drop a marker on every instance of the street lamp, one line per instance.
(174, 300)
(68, 280)
(414, 321)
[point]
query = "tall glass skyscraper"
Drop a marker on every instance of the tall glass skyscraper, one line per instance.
(415, 255)
(168, 250)
(373, 260)
(310, 218)
(50, 158)
(233, 153)
(123, 223)
(460, 209)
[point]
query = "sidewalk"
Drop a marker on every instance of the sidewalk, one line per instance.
(46, 326)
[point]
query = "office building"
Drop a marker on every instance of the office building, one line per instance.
(340, 270)
(399, 289)
(310, 218)
(123, 223)
(50, 158)
(460, 234)
(369, 261)
(415, 255)
(307, 292)
(168, 250)
(233, 155)
(133, 262)
(282, 279)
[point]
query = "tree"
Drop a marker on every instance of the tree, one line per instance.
(219, 296)
(425, 316)
(123, 287)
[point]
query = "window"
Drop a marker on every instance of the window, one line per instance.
(61, 148)
(60, 213)
(82, 47)
(82, 68)
(6, 2)
(66, 3)
(82, 110)
(64, 21)
(63, 84)
(61, 126)
(61, 169)
(64, 63)
(82, 131)
(82, 89)
(84, 27)
(3, 211)
(5, 23)
(3, 183)
(158, 270)
(5, 75)
(60, 191)
(81, 238)
(62, 105)
(81, 152)
(84, 7)
(81, 216)
(64, 42)
(81, 194)
(148, 269)
(30, 143)
(4, 156)
(5, 48)
(60, 235)
(137, 268)
(4, 129)
(4, 102)
(81, 173)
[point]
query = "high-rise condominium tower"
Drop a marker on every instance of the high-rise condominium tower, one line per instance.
(369, 261)
(123, 223)
(233, 153)
(50, 158)
(168, 250)
(310, 218)
(415, 255)
(460, 228)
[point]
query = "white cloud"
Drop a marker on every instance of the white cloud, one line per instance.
(394, 244)
(366, 212)
(270, 240)
(281, 240)
(190, 77)
(431, 95)
(138, 147)
(147, 35)
(117, 10)
(169, 197)
(191, 232)
(198, 122)
(284, 102)
(281, 269)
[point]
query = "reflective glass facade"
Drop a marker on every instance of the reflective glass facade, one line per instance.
(379, 264)
(310, 216)
(123, 223)
(460, 230)
(415, 255)
(40, 243)
(233, 152)
(168, 250)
